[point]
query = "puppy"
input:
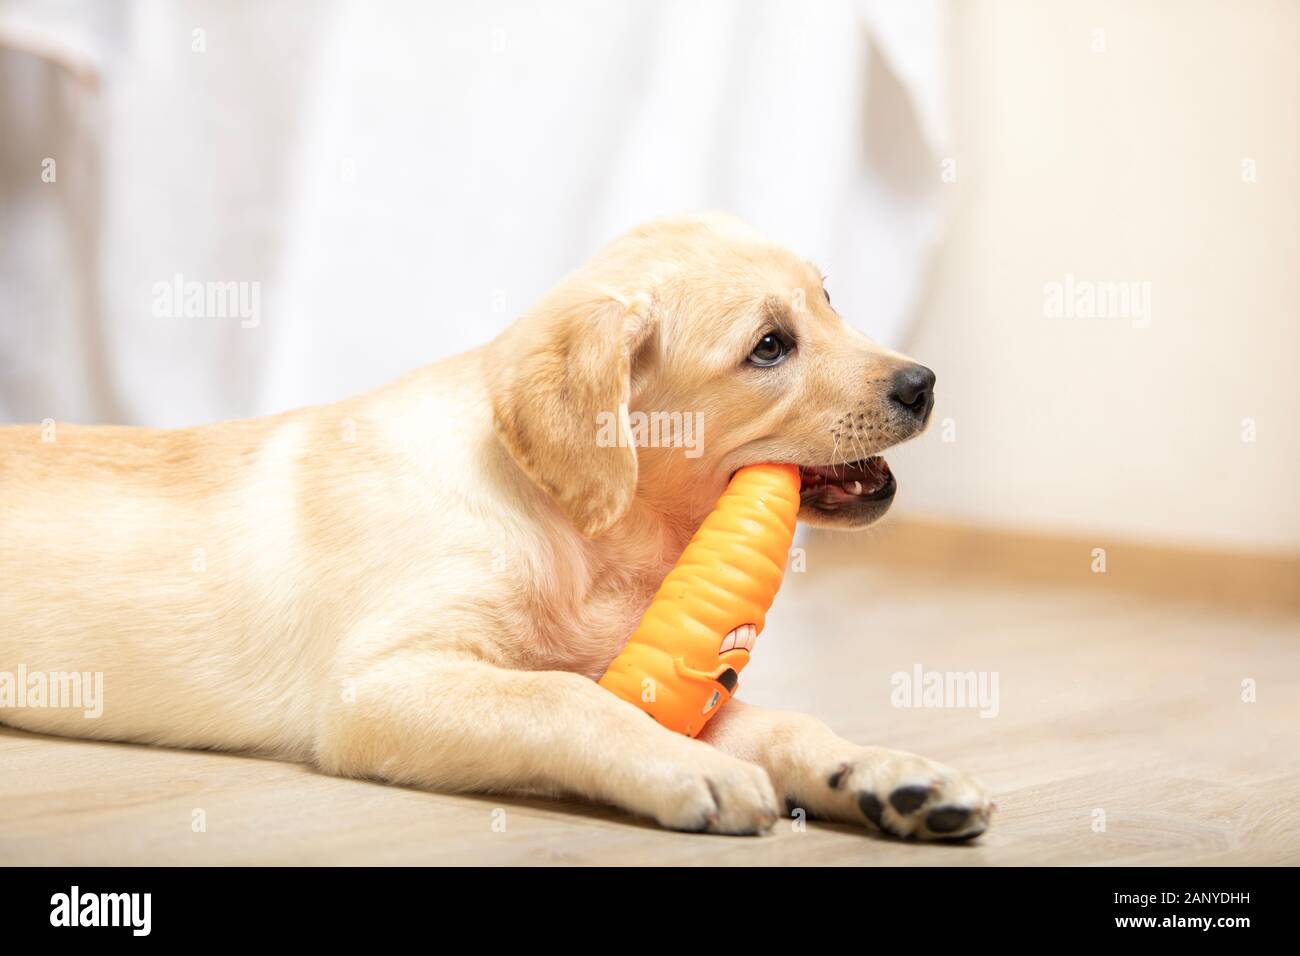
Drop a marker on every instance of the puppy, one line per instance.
(421, 585)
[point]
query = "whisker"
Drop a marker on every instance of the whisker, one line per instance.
(860, 445)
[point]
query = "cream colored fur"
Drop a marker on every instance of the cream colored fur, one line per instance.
(419, 585)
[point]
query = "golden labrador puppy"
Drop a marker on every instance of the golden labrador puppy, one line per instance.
(421, 584)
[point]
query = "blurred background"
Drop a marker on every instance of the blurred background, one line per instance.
(400, 180)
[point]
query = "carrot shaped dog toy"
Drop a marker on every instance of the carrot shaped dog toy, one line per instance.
(682, 662)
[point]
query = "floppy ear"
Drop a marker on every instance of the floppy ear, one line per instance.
(560, 382)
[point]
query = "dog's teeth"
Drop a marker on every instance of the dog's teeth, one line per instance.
(857, 487)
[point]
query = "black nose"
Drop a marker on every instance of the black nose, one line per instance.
(913, 391)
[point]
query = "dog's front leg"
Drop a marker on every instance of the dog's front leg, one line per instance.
(446, 723)
(829, 777)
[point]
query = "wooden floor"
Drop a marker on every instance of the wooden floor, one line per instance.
(1109, 704)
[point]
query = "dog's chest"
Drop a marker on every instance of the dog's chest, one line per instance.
(589, 630)
(608, 616)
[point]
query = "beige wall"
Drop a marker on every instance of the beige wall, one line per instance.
(1122, 165)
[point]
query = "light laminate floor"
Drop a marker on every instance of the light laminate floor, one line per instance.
(1110, 707)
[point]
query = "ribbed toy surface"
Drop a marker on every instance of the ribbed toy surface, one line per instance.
(681, 663)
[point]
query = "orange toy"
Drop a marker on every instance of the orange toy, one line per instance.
(681, 664)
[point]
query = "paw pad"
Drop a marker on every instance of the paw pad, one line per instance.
(872, 808)
(947, 819)
(909, 799)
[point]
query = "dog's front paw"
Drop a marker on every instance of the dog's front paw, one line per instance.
(716, 794)
(904, 795)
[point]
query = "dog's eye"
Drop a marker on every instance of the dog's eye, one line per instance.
(827, 294)
(770, 350)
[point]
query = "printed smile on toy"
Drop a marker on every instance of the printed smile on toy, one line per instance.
(832, 488)
(739, 638)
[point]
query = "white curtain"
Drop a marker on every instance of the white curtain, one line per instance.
(398, 181)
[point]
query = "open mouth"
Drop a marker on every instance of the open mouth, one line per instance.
(832, 487)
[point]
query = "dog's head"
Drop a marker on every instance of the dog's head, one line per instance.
(685, 350)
